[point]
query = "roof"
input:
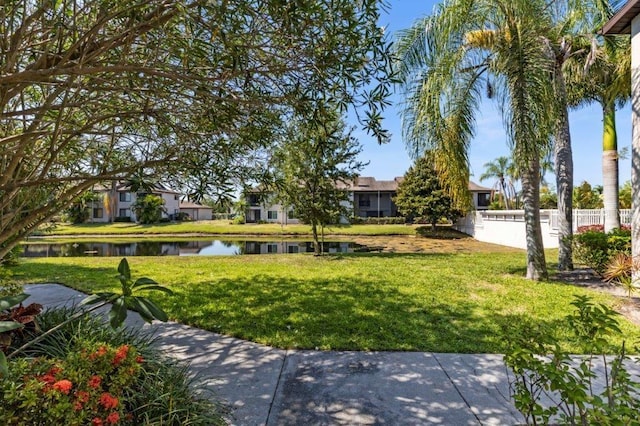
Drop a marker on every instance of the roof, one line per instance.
(190, 205)
(125, 187)
(620, 23)
(474, 187)
(370, 184)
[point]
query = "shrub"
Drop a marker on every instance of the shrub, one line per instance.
(148, 209)
(595, 248)
(548, 385)
(182, 216)
(122, 219)
(387, 220)
(238, 220)
(88, 386)
(149, 387)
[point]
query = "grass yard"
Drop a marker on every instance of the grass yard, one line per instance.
(462, 302)
(223, 227)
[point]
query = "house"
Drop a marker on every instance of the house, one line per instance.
(196, 211)
(118, 207)
(368, 197)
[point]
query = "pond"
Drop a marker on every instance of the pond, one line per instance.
(181, 248)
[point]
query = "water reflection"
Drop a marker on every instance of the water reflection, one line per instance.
(182, 248)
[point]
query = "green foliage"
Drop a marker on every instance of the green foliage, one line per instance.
(586, 197)
(504, 171)
(126, 299)
(548, 198)
(151, 388)
(80, 210)
(148, 209)
(313, 163)
(595, 248)
(183, 89)
(389, 220)
(625, 195)
(421, 196)
(549, 385)
(238, 220)
(11, 258)
(8, 325)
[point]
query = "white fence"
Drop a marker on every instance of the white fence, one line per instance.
(506, 227)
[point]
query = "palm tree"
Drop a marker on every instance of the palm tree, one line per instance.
(446, 62)
(499, 169)
(602, 74)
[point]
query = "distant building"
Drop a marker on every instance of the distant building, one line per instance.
(367, 196)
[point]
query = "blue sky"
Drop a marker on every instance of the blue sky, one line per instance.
(390, 160)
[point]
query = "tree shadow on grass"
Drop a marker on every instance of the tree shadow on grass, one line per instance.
(344, 313)
(341, 315)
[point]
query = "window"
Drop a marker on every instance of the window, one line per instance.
(98, 213)
(364, 202)
(124, 212)
(291, 214)
(272, 248)
(293, 249)
(125, 197)
(483, 199)
(272, 214)
(254, 200)
(176, 197)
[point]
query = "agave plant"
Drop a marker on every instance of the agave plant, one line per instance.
(620, 271)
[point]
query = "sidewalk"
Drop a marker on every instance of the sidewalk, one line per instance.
(267, 386)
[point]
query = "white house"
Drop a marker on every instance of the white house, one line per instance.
(367, 197)
(102, 211)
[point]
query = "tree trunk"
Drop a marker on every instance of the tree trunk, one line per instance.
(316, 242)
(536, 263)
(564, 179)
(610, 184)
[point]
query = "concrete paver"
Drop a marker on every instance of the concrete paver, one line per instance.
(267, 386)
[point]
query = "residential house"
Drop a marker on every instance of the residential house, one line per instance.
(196, 211)
(368, 197)
(103, 210)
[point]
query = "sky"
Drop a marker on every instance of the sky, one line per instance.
(391, 160)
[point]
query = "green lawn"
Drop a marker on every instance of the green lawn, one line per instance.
(428, 302)
(223, 227)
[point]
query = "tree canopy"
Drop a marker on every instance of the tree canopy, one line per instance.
(315, 161)
(93, 90)
(421, 196)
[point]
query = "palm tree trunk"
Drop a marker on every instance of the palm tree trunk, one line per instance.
(536, 263)
(564, 178)
(610, 187)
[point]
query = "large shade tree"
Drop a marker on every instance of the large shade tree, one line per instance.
(447, 61)
(92, 90)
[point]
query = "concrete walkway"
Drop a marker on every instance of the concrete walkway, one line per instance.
(267, 386)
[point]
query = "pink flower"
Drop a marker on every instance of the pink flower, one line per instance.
(97, 421)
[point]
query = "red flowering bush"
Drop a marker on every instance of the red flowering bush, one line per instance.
(88, 386)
